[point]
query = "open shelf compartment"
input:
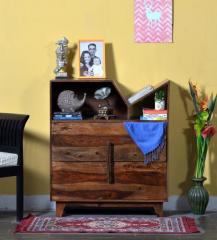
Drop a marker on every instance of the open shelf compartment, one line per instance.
(90, 108)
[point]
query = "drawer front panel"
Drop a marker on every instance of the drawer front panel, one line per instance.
(107, 193)
(127, 152)
(90, 141)
(79, 154)
(122, 153)
(89, 128)
(137, 173)
(89, 182)
(130, 152)
(89, 134)
(75, 173)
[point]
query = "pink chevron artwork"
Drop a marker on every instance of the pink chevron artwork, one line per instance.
(153, 21)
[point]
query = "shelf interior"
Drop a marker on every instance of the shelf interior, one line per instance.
(91, 105)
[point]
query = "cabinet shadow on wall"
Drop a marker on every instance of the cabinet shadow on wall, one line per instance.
(71, 60)
(36, 164)
(111, 72)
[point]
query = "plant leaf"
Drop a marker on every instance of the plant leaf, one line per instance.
(198, 126)
(210, 102)
(193, 95)
(203, 116)
(201, 119)
(211, 107)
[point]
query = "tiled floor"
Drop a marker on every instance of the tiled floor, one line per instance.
(207, 223)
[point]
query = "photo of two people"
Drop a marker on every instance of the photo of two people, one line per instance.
(92, 63)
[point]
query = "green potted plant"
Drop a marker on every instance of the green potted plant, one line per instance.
(159, 99)
(204, 106)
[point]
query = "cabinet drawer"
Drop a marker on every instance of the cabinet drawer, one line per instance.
(88, 134)
(130, 152)
(126, 152)
(121, 153)
(75, 173)
(108, 193)
(79, 154)
(90, 141)
(137, 173)
(89, 181)
(89, 128)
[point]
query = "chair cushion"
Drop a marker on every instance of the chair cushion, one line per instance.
(8, 159)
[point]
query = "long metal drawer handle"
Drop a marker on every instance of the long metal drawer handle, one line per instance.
(110, 159)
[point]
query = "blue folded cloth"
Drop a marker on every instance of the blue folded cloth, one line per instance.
(149, 137)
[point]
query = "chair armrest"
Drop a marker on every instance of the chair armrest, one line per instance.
(11, 132)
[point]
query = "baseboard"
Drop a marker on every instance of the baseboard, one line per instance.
(42, 203)
(177, 203)
(31, 203)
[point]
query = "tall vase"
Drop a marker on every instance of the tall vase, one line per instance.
(198, 196)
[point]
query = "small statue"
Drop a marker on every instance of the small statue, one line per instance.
(68, 101)
(104, 111)
(61, 57)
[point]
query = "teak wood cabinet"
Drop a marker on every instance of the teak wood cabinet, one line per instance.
(95, 162)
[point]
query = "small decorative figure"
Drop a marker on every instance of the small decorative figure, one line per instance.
(68, 101)
(104, 111)
(61, 57)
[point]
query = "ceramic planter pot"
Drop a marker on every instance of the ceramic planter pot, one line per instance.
(159, 104)
(198, 196)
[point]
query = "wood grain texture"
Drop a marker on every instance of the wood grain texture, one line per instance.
(158, 208)
(69, 172)
(130, 152)
(122, 153)
(89, 129)
(138, 173)
(60, 206)
(115, 204)
(132, 181)
(87, 141)
(77, 154)
(104, 193)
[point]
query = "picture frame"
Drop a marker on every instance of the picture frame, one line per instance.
(91, 63)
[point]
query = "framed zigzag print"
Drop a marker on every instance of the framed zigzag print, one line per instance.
(153, 20)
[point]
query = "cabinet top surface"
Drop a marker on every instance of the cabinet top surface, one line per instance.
(72, 80)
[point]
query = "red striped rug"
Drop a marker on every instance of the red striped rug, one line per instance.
(87, 224)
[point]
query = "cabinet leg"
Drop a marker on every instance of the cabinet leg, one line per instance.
(60, 209)
(158, 208)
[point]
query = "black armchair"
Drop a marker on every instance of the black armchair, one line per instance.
(11, 153)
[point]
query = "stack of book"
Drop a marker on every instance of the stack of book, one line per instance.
(153, 115)
(67, 116)
(140, 94)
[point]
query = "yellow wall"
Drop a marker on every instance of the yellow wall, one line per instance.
(28, 31)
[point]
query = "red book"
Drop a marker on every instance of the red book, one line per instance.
(153, 111)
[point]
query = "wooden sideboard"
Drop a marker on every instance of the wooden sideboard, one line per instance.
(95, 162)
